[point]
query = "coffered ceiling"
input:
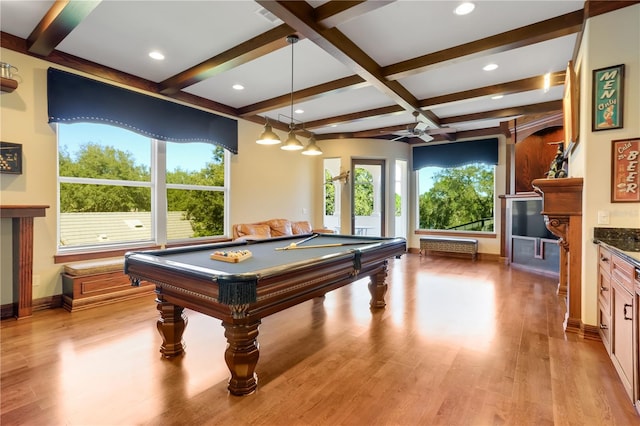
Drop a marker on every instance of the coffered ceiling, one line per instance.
(360, 69)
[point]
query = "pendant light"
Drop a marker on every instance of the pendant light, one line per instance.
(312, 148)
(268, 137)
(292, 143)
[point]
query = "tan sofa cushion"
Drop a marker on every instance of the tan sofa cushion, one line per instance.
(280, 227)
(301, 227)
(257, 230)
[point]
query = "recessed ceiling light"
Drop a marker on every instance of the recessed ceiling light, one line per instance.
(496, 97)
(490, 67)
(156, 55)
(299, 111)
(334, 125)
(238, 86)
(464, 8)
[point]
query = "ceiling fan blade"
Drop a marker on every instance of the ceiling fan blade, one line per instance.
(425, 137)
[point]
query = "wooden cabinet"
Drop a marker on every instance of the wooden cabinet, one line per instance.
(636, 337)
(617, 313)
(622, 335)
(604, 297)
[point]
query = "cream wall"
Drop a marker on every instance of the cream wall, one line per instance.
(23, 120)
(608, 40)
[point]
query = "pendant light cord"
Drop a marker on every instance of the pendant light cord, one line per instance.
(292, 39)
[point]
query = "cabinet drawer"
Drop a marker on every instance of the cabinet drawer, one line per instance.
(604, 324)
(604, 291)
(623, 272)
(604, 259)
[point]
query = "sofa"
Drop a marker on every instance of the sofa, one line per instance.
(274, 228)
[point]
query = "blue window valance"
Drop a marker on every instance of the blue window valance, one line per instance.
(73, 99)
(456, 154)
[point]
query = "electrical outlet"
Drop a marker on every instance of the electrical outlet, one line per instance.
(36, 280)
(603, 217)
(304, 210)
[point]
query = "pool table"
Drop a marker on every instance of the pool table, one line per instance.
(275, 277)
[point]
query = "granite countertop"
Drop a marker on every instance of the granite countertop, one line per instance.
(623, 241)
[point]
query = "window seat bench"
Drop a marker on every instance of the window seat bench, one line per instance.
(94, 283)
(449, 245)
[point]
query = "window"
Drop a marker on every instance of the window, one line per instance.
(332, 194)
(456, 198)
(119, 188)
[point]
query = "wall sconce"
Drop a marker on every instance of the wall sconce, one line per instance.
(342, 178)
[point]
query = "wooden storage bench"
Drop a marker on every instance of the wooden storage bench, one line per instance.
(449, 245)
(95, 283)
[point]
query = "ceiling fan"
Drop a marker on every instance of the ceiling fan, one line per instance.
(421, 130)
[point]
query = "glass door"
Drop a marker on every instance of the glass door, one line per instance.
(367, 197)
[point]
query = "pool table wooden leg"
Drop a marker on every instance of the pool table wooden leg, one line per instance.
(241, 356)
(171, 325)
(378, 287)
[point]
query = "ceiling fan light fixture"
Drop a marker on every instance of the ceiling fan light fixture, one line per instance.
(268, 136)
(292, 143)
(464, 8)
(312, 148)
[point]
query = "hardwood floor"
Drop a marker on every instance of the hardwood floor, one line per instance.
(459, 343)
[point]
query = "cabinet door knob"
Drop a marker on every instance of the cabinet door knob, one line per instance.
(603, 326)
(625, 311)
(603, 288)
(604, 259)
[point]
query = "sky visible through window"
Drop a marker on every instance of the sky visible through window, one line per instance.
(425, 178)
(193, 158)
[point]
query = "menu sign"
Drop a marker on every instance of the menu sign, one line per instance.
(625, 171)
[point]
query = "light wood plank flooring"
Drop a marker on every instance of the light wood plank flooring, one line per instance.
(459, 343)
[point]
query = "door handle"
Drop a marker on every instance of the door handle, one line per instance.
(625, 311)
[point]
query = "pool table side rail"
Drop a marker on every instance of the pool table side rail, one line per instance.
(275, 292)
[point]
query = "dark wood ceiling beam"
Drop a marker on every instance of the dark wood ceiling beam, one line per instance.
(336, 12)
(465, 134)
(560, 26)
(355, 116)
(517, 86)
(505, 112)
(310, 93)
(509, 88)
(251, 49)
(301, 16)
(62, 18)
(594, 8)
(73, 62)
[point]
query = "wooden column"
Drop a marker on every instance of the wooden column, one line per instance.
(22, 248)
(562, 210)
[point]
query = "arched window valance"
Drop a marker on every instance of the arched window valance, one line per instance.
(456, 154)
(73, 99)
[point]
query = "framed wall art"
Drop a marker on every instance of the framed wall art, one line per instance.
(625, 171)
(608, 97)
(570, 109)
(10, 158)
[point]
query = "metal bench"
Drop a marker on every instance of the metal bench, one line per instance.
(449, 245)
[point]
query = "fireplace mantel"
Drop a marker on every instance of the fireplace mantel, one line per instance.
(22, 247)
